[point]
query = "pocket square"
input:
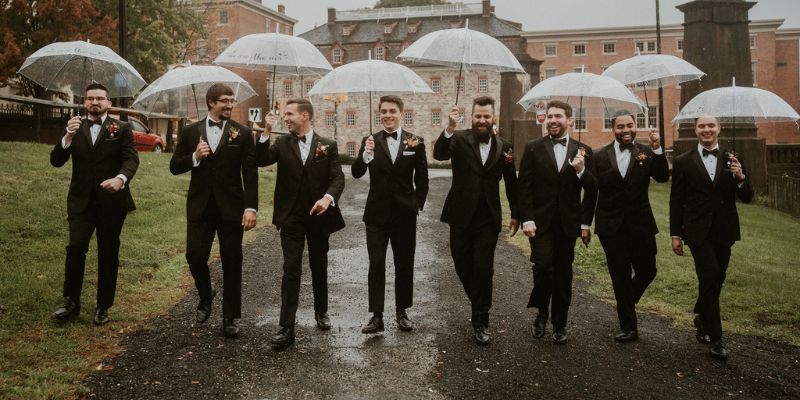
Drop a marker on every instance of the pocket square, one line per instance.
(111, 139)
(409, 153)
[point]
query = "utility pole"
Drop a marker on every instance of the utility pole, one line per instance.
(660, 88)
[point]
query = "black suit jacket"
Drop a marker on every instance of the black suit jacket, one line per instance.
(402, 184)
(323, 176)
(113, 154)
(625, 202)
(229, 173)
(471, 178)
(545, 192)
(696, 204)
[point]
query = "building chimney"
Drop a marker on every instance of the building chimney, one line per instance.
(331, 15)
(487, 8)
(281, 9)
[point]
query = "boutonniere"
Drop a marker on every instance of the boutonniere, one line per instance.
(112, 130)
(233, 133)
(509, 156)
(412, 142)
(321, 150)
(728, 156)
(641, 157)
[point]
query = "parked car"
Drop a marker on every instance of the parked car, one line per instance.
(144, 137)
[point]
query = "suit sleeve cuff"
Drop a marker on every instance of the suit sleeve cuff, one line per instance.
(252, 210)
(580, 174)
(659, 151)
(262, 139)
(368, 157)
(333, 201)
(64, 144)
(528, 223)
(584, 227)
(677, 237)
(195, 161)
(124, 180)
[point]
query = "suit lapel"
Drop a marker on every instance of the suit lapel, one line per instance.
(698, 162)
(494, 155)
(572, 147)
(634, 153)
(223, 140)
(311, 149)
(203, 133)
(401, 146)
(720, 162)
(611, 153)
(473, 143)
(380, 137)
(548, 145)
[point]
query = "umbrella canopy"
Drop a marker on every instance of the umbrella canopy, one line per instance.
(653, 70)
(282, 54)
(738, 104)
(585, 90)
(77, 64)
(183, 89)
(370, 76)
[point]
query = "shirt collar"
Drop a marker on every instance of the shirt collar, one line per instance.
(700, 148)
(102, 118)
(308, 136)
(399, 131)
(209, 120)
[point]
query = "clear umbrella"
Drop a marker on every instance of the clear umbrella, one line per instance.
(462, 48)
(276, 52)
(370, 76)
(183, 88)
(585, 90)
(77, 64)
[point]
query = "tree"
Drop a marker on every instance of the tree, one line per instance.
(406, 3)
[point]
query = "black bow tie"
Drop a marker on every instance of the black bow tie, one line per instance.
(562, 141)
(98, 121)
(626, 146)
(218, 124)
(392, 135)
(298, 137)
(714, 152)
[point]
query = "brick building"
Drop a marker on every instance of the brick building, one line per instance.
(775, 54)
(228, 20)
(352, 35)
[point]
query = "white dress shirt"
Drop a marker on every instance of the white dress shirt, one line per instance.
(392, 143)
(709, 161)
(214, 134)
(623, 158)
(94, 130)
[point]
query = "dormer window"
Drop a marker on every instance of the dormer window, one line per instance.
(336, 55)
(346, 30)
(387, 29)
(412, 28)
(456, 24)
(380, 53)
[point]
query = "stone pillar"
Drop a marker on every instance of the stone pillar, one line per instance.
(716, 39)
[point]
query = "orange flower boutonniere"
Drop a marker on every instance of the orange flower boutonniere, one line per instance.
(412, 142)
(509, 156)
(321, 150)
(112, 130)
(641, 157)
(233, 133)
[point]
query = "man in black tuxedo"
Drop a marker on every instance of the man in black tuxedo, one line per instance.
(307, 190)
(702, 213)
(398, 186)
(480, 159)
(553, 171)
(222, 200)
(623, 219)
(104, 160)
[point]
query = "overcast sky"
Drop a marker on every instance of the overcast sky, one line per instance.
(553, 14)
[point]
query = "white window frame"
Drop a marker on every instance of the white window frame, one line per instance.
(575, 49)
(336, 55)
(221, 12)
(436, 85)
(408, 118)
(614, 44)
(753, 41)
(330, 119)
(351, 149)
(555, 49)
(288, 89)
(380, 53)
(350, 118)
(483, 85)
(436, 118)
(553, 70)
(679, 43)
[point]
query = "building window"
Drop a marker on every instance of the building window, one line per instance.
(550, 50)
(578, 70)
(380, 53)
(550, 72)
(753, 71)
(308, 86)
(350, 118)
(202, 50)
(222, 44)
(376, 119)
(288, 90)
(752, 41)
(412, 28)
(646, 46)
(652, 118)
(223, 17)
(680, 44)
(580, 119)
(609, 48)
(483, 85)
(408, 118)
(387, 29)
(436, 118)
(267, 25)
(330, 119)
(351, 149)
(337, 55)
(436, 85)
(461, 117)
(607, 119)
(460, 85)
(579, 49)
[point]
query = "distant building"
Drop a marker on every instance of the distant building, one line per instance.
(352, 35)
(775, 55)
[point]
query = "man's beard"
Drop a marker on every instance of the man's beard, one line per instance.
(96, 113)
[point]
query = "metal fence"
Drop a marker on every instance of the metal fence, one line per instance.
(784, 194)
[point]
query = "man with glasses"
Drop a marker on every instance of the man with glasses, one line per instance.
(104, 160)
(222, 200)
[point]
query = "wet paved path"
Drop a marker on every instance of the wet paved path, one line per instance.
(176, 359)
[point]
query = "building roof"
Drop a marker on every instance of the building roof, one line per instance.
(254, 5)
(632, 31)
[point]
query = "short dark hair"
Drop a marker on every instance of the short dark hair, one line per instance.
(95, 86)
(483, 101)
(705, 116)
(621, 113)
(303, 105)
(562, 105)
(391, 99)
(216, 91)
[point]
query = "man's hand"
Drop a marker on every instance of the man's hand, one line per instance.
(452, 119)
(112, 185)
(369, 145)
(677, 246)
(248, 220)
(529, 230)
(320, 206)
(202, 150)
(513, 226)
(586, 237)
(269, 122)
(578, 162)
(736, 168)
(72, 126)
(655, 140)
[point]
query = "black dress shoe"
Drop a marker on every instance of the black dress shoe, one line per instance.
(717, 350)
(481, 337)
(539, 325)
(701, 335)
(229, 328)
(323, 321)
(284, 337)
(403, 323)
(560, 336)
(70, 309)
(204, 307)
(101, 316)
(627, 336)
(375, 325)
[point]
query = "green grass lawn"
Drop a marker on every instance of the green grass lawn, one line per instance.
(760, 293)
(39, 359)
